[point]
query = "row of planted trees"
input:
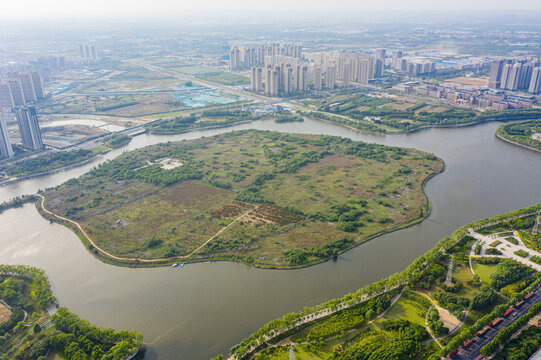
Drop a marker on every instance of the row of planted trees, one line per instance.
(290, 321)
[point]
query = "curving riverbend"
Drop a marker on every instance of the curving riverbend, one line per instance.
(203, 309)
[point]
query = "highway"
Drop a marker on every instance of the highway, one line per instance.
(472, 351)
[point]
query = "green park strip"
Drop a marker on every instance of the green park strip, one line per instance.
(62, 159)
(474, 303)
(263, 198)
(524, 133)
(387, 115)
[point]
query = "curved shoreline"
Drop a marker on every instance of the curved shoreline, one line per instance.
(196, 128)
(50, 172)
(109, 258)
(516, 143)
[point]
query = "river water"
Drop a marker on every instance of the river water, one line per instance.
(204, 309)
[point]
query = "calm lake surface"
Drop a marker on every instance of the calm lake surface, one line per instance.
(204, 309)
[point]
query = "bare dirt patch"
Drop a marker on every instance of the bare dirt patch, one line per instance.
(5, 313)
(482, 81)
(448, 319)
(232, 210)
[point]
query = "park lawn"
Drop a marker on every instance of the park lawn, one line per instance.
(405, 309)
(304, 184)
(5, 313)
(324, 352)
(484, 270)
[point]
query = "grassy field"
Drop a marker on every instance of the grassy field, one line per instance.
(410, 306)
(484, 270)
(133, 85)
(212, 74)
(271, 199)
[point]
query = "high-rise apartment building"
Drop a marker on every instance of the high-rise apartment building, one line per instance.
(6, 100)
(16, 92)
(317, 78)
(380, 55)
(535, 82)
(513, 74)
(27, 87)
(378, 70)
(37, 84)
(330, 74)
(288, 77)
(234, 58)
(27, 119)
(256, 79)
(496, 69)
(396, 60)
(6, 150)
(88, 52)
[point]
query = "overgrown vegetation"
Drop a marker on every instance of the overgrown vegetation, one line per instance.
(290, 200)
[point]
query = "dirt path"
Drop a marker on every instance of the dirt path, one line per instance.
(104, 252)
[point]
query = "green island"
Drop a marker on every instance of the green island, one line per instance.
(389, 115)
(526, 133)
(208, 118)
(33, 328)
(425, 312)
(263, 198)
(61, 159)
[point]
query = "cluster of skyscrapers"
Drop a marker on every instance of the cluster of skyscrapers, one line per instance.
(27, 121)
(349, 68)
(89, 53)
(245, 57)
(516, 75)
(283, 78)
(411, 67)
(19, 89)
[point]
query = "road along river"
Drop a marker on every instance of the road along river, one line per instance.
(203, 309)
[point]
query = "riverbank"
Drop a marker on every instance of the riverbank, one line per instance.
(516, 143)
(294, 323)
(156, 132)
(53, 171)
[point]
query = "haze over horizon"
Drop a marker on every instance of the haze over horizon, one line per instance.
(66, 9)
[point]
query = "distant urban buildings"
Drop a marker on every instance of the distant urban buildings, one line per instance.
(283, 78)
(349, 68)
(411, 67)
(19, 89)
(245, 57)
(496, 100)
(89, 53)
(27, 119)
(516, 75)
(6, 150)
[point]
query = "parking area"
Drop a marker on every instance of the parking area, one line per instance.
(472, 348)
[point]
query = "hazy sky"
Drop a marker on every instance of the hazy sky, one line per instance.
(48, 9)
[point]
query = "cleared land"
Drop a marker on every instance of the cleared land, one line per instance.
(5, 313)
(481, 81)
(264, 198)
